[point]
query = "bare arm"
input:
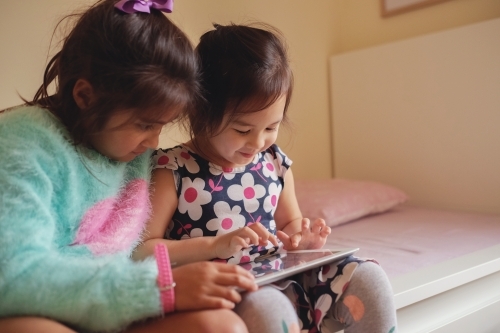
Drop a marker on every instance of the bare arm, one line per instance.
(164, 201)
(295, 231)
(288, 216)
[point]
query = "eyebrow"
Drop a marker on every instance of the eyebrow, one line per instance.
(153, 121)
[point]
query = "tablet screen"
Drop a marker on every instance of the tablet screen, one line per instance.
(277, 266)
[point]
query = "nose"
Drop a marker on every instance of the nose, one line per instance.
(256, 141)
(152, 140)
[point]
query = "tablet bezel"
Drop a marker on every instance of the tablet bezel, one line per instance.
(336, 254)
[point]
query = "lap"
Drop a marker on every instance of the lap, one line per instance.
(32, 325)
(206, 321)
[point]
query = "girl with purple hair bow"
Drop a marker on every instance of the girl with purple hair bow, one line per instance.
(74, 186)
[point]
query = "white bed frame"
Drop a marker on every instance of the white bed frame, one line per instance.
(423, 115)
(460, 295)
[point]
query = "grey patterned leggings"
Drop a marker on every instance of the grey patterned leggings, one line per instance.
(367, 305)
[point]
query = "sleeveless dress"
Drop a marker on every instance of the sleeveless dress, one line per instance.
(213, 201)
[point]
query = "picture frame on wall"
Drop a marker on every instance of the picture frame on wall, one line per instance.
(394, 7)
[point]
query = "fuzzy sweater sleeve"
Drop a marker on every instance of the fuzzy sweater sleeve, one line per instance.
(41, 272)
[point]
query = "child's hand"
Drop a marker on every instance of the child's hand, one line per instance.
(209, 285)
(229, 244)
(311, 237)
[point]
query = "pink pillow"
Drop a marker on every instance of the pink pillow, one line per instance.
(341, 200)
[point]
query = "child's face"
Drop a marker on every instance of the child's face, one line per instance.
(123, 139)
(248, 135)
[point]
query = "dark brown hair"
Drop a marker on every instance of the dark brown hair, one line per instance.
(134, 61)
(243, 69)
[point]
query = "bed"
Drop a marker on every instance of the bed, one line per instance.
(444, 266)
(416, 173)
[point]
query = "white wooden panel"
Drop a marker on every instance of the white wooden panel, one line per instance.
(472, 307)
(423, 114)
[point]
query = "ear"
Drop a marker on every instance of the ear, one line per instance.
(83, 93)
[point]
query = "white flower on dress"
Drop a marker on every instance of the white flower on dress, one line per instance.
(272, 227)
(270, 166)
(184, 158)
(279, 162)
(227, 219)
(243, 256)
(196, 232)
(256, 158)
(321, 308)
(227, 173)
(340, 283)
(248, 192)
(271, 201)
(165, 159)
(327, 272)
(192, 197)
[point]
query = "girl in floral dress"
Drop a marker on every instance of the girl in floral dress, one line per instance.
(228, 194)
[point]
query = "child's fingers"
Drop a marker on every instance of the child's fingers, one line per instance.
(249, 234)
(273, 239)
(212, 302)
(234, 270)
(295, 239)
(325, 231)
(237, 243)
(210, 285)
(217, 298)
(264, 234)
(285, 239)
(232, 279)
(306, 224)
(318, 226)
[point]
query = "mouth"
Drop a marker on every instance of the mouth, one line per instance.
(140, 152)
(246, 155)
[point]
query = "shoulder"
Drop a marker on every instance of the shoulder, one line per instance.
(180, 159)
(23, 120)
(28, 130)
(275, 163)
(277, 154)
(167, 158)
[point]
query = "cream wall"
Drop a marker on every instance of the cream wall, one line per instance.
(314, 32)
(25, 33)
(308, 30)
(422, 114)
(361, 25)
(26, 27)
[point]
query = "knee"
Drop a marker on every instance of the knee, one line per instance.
(222, 321)
(370, 282)
(368, 272)
(32, 324)
(264, 294)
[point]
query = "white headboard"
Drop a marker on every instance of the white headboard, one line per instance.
(423, 114)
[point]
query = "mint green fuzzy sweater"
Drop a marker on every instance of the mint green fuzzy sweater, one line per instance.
(69, 219)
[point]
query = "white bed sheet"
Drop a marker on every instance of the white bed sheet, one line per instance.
(408, 238)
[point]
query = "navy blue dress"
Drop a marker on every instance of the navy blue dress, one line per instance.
(215, 200)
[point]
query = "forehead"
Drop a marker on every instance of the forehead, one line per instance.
(273, 112)
(153, 116)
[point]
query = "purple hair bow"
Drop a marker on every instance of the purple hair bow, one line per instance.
(134, 6)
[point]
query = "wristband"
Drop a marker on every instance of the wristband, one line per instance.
(165, 283)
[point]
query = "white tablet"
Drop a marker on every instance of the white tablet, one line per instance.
(275, 267)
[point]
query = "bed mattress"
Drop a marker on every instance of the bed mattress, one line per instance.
(409, 238)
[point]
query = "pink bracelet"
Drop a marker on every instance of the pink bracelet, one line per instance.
(165, 283)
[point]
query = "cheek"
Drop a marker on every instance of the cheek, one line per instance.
(272, 138)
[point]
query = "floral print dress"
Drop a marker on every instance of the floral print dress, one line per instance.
(213, 201)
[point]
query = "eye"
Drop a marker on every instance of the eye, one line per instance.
(242, 132)
(273, 129)
(145, 127)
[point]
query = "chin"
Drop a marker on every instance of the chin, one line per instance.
(125, 158)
